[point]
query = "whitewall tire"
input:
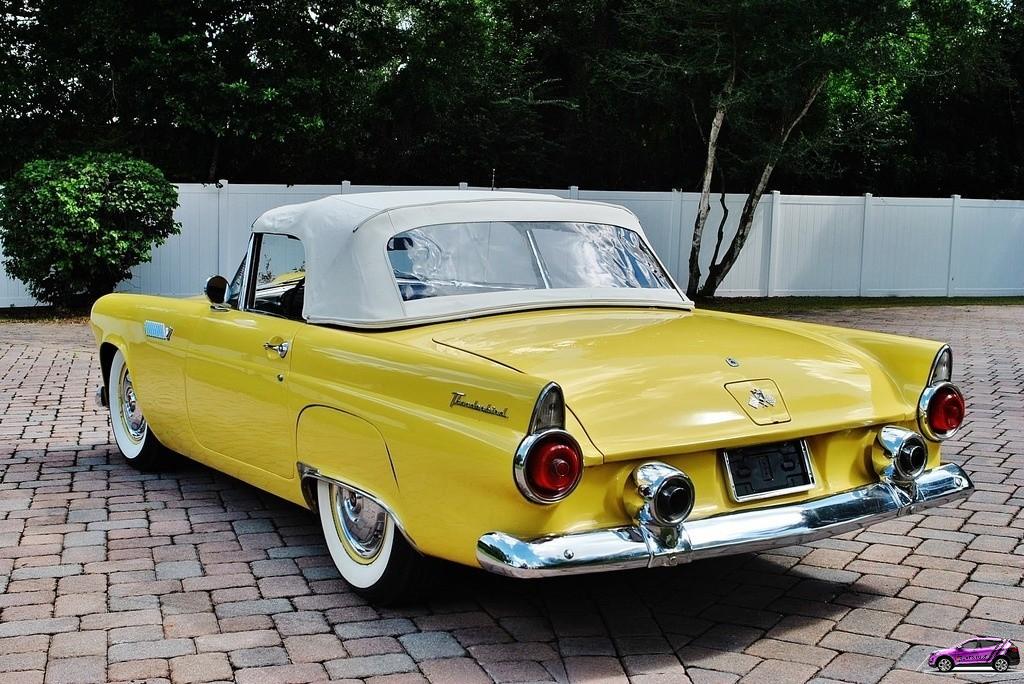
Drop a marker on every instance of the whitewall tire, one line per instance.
(368, 549)
(134, 439)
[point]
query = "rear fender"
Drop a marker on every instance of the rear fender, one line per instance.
(342, 447)
(906, 360)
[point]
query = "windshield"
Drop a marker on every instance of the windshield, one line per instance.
(471, 258)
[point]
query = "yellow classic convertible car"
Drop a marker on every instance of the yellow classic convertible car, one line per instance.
(514, 382)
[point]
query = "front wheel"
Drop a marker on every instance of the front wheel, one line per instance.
(1000, 664)
(944, 664)
(369, 550)
(134, 439)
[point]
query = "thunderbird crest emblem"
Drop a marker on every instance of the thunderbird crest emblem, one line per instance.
(760, 399)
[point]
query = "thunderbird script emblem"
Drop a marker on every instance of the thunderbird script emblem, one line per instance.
(459, 399)
(760, 399)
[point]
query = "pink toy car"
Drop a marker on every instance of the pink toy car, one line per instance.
(999, 653)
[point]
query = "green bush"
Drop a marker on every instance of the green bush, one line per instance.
(72, 229)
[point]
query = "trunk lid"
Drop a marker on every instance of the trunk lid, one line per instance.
(648, 382)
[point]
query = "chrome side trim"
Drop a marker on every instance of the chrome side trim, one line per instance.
(243, 295)
(308, 475)
(620, 548)
(537, 259)
(157, 330)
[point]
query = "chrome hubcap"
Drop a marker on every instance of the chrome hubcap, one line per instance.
(360, 521)
(131, 413)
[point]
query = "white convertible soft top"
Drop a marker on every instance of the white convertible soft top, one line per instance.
(350, 282)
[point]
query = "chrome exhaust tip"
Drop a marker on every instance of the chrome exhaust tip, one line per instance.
(674, 500)
(904, 454)
(660, 494)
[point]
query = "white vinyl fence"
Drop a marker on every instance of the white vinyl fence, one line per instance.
(799, 245)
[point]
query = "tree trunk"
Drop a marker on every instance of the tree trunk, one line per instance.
(704, 207)
(721, 224)
(717, 272)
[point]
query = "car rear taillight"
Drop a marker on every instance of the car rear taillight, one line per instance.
(548, 466)
(942, 411)
(946, 409)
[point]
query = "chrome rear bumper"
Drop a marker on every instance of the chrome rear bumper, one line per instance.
(640, 546)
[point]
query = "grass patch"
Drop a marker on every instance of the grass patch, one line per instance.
(43, 314)
(784, 305)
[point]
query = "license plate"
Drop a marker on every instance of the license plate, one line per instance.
(758, 472)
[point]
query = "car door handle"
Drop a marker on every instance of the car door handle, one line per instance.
(281, 348)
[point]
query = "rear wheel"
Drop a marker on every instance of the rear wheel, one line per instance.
(944, 664)
(1001, 664)
(370, 552)
(134, 439)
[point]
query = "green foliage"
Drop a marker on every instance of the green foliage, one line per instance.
(72, 229)
(760, 60)
(924, 96)
(283, 90)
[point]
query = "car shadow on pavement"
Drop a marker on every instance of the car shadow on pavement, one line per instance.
(726, 615)
(707, 612)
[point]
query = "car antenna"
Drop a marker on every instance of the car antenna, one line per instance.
(492, 178)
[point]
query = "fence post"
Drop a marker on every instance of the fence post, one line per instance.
(574, 192)
(954, 214)
(773, 228)
(346, 187)
(463, 185)
(223, 209)
(863, 237)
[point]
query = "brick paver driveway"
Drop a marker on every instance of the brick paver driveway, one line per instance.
(107, 574)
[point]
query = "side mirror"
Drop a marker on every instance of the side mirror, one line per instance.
(215, 289)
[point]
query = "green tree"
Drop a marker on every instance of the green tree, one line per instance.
(465, 91)
(73, 229)
(272, 89)
(192, 85)
(922, 96)
(753, 70)
(955, 107)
